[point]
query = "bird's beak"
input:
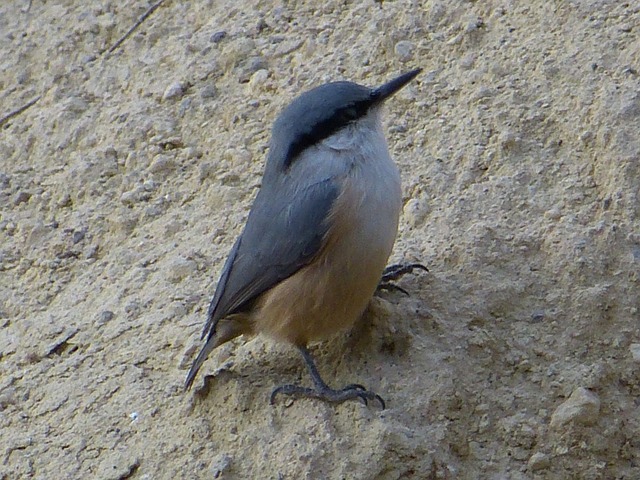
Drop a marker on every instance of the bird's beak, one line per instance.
(383, 92)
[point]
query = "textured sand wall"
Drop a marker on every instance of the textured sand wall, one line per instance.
(124, 185)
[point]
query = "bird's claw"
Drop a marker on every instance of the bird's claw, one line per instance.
(391, 286)
(394, 272)
(328, 394)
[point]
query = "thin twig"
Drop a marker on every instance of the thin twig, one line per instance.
(18, 111)
(144, 16)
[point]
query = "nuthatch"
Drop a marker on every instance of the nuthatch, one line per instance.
(319, 233)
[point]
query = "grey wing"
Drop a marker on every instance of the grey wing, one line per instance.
(220, 288)
(285, 229)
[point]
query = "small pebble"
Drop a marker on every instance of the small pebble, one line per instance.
(91, 252)
(149, 185)
(218, 36)
(76, 105)
(404, 50)
(162, 164)
(509, 140)
(21, 197)
(467, 62)
(111, 154)
(105, 316)
(583, 406)
(8, 397)
(173, 91)
(129, 198)
(538, 461)
(258, 79)
(554, 213)
(208, 91)
(78, 236)
(250, 66)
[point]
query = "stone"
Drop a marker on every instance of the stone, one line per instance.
(582, 407)
(404, 50)
(538, 461)
(173, 91)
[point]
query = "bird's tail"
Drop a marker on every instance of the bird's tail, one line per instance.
(227, 329)
(202, 356)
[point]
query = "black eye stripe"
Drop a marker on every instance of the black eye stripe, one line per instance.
(325, 128)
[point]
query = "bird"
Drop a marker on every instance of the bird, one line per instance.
(319, 233)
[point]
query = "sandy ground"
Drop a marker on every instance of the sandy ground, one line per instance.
(124, 185)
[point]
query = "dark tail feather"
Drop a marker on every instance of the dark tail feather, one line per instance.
(202, 356)
(228, 329)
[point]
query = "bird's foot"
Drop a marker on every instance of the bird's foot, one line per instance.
(394, 272)
(324, 393)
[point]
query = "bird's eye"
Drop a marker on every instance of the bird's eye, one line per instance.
(348, 114)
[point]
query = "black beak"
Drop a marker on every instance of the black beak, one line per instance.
(383, 92)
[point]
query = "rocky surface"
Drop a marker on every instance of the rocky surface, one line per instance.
(126, 178)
